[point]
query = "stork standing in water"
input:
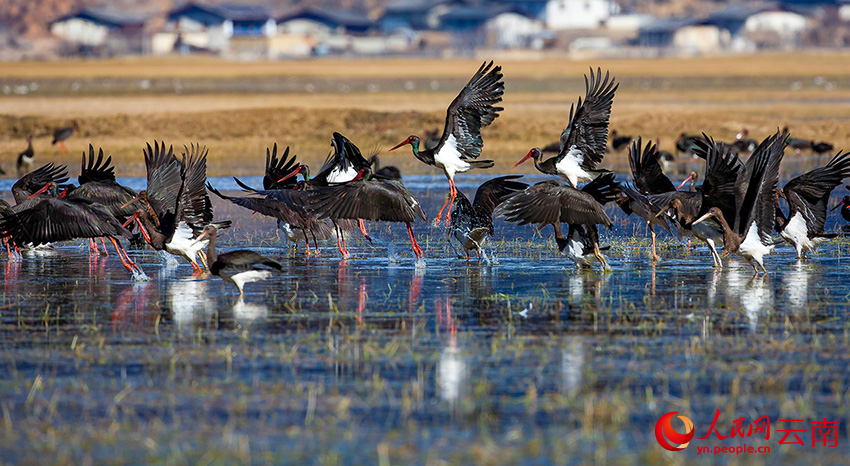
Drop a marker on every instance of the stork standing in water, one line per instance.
(237, 267)
(52, 219)
(807, 196)
(683, 208)
(461, 142)
(369, 197)
(472, 222)
(584, 140)
(552, 203)
(176, 204)
(755, 212)
(648, 180)
(282, 198)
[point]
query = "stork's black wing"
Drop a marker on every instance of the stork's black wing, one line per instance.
(646, 171)
(809, 193)
(474, 108)
(492, 192)
(164, 182)
(96, 169)
(756, 189)
(368, 200)
(277, 168)
(721, 175)
(194, 202)
(587, 129)
(552, 202)
(36, 179)
(51, 220)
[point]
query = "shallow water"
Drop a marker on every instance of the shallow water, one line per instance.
(527, 360)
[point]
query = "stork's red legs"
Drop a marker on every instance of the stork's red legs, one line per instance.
(340, 242)
(449, 201)
(122, 254)
(413, 242)
(363, 229)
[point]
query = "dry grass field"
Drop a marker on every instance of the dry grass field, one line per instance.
(369, 101)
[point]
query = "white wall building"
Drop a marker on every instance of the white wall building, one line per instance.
(512, 30)
(579, 14)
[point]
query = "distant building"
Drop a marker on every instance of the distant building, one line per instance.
(737, 27)
(578, 14)
(313, 21)
(415, 14)
(313, 31)
(201, 27)
(100, 31)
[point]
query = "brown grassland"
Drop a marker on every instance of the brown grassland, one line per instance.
(659, 98)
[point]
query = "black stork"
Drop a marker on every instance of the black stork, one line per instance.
(552, 203)
(53, 219)
(35, 180)
(472, 222)
(844, 205)
(683, 208)
(585, 139)
(807, 196)
(461, 143)
(26, 158)
(619, 142)
(800, 144)
(742, 143)
(237, 267)
(369, 197)
(282, 198)
(176, 207)
(755, 213)
(343, 164)
(648, 180)
(61, 134)
(685, 144)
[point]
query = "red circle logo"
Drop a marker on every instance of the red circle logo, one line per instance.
(664, 430)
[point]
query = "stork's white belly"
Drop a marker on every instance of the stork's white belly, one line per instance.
(796, 233)
(575, 251)
(342, 175)
(752, 247)
(570, 168)
(248, 276)
(183, 244)
(448, 158)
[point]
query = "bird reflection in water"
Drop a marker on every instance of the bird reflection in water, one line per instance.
(754, 293)
(795, 282)
(131, 307)
(452, 367)
(191, 305)
(415, 291)
(586, 283)
(572, 365)
(247, 313)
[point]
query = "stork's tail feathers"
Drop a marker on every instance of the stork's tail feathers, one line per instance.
(481, 163)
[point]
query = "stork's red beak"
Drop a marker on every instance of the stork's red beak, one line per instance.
(291, 174)
(406, 141)
(40, 191)
(689, 178)
(527, 156)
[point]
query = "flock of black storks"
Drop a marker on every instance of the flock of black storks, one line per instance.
(737, 206)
